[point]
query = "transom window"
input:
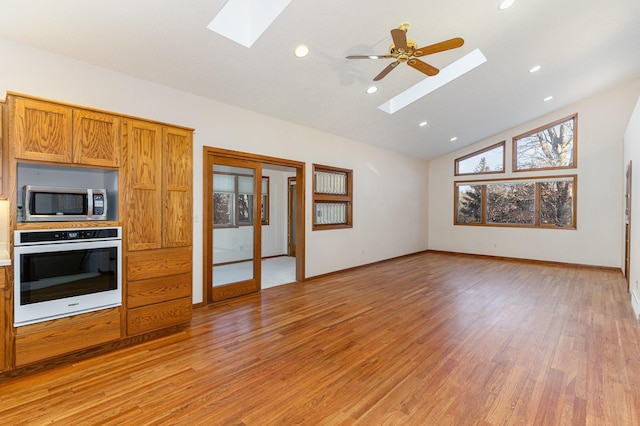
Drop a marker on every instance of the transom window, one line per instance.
(550, 147)
(487, 160)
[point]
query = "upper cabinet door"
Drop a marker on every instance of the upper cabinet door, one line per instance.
(143, 157)
(96, 138)
(42, 131)
(176, 190)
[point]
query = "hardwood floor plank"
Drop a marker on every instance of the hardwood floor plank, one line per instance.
(433, 338)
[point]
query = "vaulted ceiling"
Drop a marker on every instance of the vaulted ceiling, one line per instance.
(582, 47)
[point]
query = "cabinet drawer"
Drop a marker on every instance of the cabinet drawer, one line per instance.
(142, 265)
(64, 335)
(156, 290)
(159, 315)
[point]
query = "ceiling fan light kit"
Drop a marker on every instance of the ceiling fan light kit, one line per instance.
(407, 50)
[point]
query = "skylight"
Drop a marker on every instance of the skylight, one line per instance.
(429, 84)
(244, 21)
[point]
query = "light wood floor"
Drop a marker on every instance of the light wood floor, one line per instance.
(430, 339)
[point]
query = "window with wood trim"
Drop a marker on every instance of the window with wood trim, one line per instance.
(544, 202)
(487, 160)
(552, 146)
(332, 197)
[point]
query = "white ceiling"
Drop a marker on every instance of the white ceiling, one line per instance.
(583, 46)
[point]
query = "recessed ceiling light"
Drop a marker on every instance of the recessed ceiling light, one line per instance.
(453, 139)
(534, 69)
(372, 89)
(422, 123)
(505, 4)
(301, 51)
(548, 98)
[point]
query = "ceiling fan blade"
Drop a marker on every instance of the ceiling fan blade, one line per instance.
(386, 71)
(439, 47)
(369, 56)
(423, 67)
(399, 39)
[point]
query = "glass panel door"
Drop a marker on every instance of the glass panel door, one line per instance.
(235, 224)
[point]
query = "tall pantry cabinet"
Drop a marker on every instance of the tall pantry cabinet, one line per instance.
(158, 237)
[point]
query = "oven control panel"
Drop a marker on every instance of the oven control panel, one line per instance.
(66, 235)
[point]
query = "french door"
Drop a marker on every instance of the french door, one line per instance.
(234, 222)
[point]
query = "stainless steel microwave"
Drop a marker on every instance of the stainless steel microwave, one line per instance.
(55, 204)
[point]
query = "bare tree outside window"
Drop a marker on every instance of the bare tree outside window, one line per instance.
(511, 203)
(550, 147)
(245, 209)
(545, 202)
(556, 203)
(487, 160)
(232, 200)
(223, 209)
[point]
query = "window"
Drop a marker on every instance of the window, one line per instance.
(488, 160)
(510, 203)
(332, 197)
(550, 147)
(224, 200)
(547, 202)
(264, 205)
(469, 203)
(245, 200)
(232, 200)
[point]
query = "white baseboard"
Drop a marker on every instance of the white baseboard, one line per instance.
(635, 303)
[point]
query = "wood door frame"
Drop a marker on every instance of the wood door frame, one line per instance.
(207, 239)
(291, 248)
(627, 225)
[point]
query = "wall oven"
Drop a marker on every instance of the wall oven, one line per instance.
(64, 272)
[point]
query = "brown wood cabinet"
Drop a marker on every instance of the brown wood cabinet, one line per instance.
(158, 162)
(97, 138)
(152, 163)
(177, 193)
(46, 131)
(3, 148)
(4, 331)
(143, 185)
(158, 168)
(158, 289)
(47, 339)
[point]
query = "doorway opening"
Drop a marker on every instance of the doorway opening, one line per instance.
(248, 222)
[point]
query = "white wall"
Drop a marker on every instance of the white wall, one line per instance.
(632, 153)
(597, 241)
(390, 203)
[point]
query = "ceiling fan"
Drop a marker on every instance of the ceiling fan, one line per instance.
(406, 50)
